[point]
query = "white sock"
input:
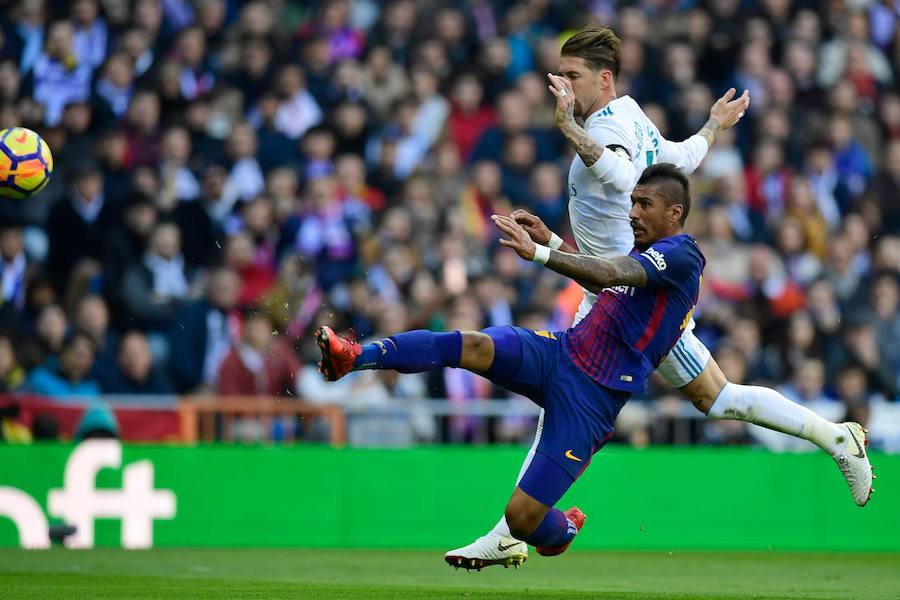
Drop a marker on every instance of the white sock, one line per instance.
(766, 407)
(502, 527)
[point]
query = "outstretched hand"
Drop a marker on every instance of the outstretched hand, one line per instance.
(728, 110)
(533, 225)
(519, 240)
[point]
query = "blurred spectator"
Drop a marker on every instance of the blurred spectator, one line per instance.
(325, 233)
(13, 267)
(126, 244)
(432, 110)
(256, 71)
(261, 365)
(98, 422)
(399, 145)
(12, 375)
(141, 128)
(384, 82)
(195, 77)
(177, 181)
(481, 199)
(851, 50)
(853, 165)
(293, 298)
(154, 289)
(50, 330)
(59, 75)
(245, 178)
(257, 276)
(67, 377)
(469, 117)
(91, 317)
(203, 333)
(113, 90)
(512, 119)
(134, 372)
(297, 109)
(883, 188)
(90, 32)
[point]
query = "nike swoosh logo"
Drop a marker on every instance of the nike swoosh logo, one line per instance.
(859, 449)
(503, 548)
(571, 456)
(21, 138)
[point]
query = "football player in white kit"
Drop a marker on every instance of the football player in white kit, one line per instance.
(615, 144)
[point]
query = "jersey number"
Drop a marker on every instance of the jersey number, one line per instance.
(649, 155)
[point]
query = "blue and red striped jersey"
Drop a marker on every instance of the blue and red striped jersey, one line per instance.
(629, 330)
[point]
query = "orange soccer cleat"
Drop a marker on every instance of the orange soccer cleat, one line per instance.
(339, 352)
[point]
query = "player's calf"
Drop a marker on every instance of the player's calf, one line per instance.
(524, 514)
(548, 529)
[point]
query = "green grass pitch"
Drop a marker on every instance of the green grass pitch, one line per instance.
(414, 575)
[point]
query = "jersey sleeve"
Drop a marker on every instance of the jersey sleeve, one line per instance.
(671, 264)
(686, 155)
(615, 166)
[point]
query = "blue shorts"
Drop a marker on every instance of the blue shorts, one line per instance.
(579, 413)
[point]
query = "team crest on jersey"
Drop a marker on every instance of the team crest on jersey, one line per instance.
(658, 258)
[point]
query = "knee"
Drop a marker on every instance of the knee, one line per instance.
(703, 402)
(477, 348)
(705, 389)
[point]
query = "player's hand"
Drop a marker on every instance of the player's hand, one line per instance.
(533, 225)
(519, 240)
(728, 110)
(565, 99)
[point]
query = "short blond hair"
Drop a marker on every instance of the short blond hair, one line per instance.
(598, 46)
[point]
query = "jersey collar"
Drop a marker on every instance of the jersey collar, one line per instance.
(593, 116)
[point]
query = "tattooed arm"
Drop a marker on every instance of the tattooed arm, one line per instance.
(608, 165)
(592, 273)
(595, 274)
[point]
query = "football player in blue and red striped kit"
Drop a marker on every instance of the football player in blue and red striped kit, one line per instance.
(580, 377)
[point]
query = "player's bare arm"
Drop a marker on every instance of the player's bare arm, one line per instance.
(595, 274)
(592, 273)
(586, 146)
(724, 114)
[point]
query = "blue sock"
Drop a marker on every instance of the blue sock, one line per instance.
(412, 352)
(555, 530)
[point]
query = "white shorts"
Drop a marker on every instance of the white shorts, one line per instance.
(685, 361)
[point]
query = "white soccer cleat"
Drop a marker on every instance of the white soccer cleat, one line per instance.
(488, 550)
(854, 463)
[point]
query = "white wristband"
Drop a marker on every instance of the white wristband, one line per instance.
(541, 254)
(555, 241)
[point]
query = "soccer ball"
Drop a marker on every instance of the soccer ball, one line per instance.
(25, 163)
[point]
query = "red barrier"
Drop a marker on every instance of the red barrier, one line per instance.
(136, 424)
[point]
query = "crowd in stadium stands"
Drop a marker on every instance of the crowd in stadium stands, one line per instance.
(229, 175)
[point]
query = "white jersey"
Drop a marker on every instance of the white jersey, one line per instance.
(599, 211)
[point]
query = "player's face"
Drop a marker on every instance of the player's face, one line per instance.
(586, 84)
(651, 216)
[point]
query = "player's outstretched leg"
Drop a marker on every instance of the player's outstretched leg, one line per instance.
(845, 442)
(407, 352)
(498, 546)
(530, 513)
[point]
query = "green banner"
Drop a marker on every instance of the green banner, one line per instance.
(659, 498)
